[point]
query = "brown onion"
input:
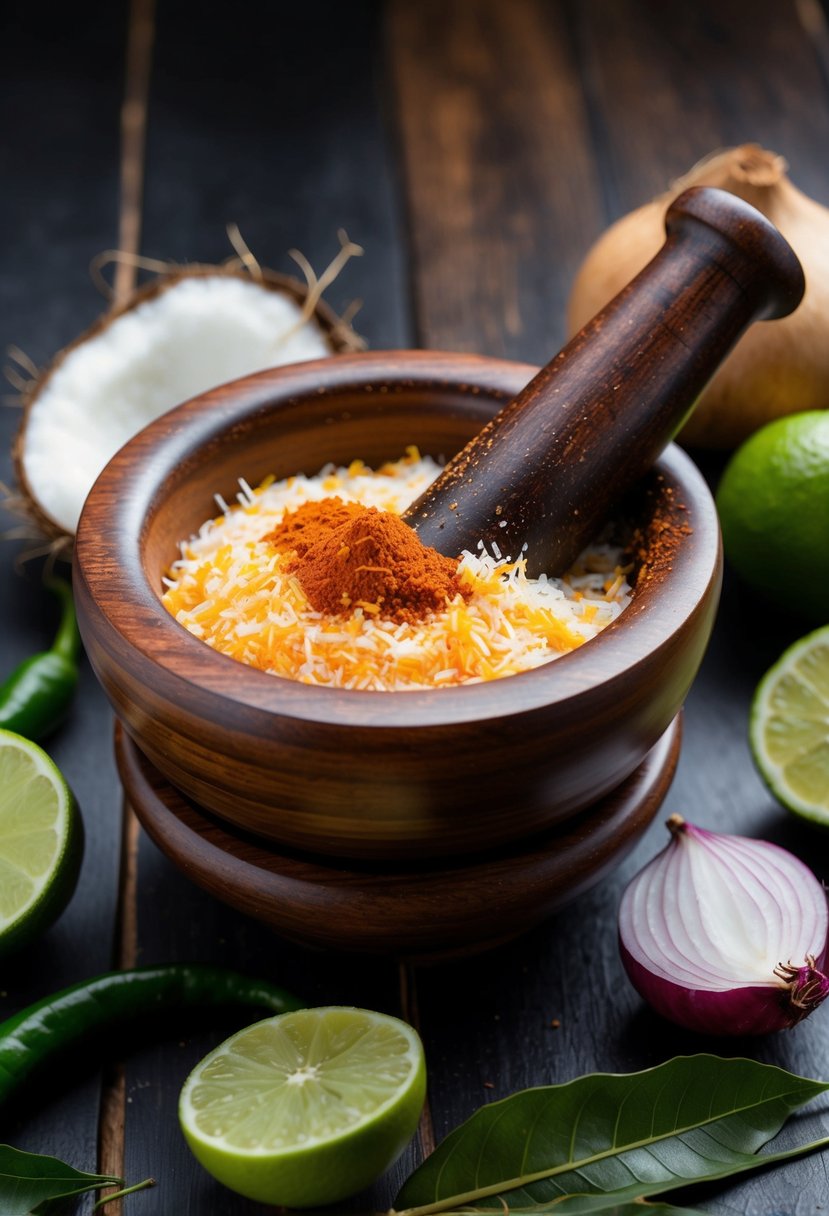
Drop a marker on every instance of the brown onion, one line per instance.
(774, 369)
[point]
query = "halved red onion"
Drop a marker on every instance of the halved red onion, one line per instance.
(726, 935)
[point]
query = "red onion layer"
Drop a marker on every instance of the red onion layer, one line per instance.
(726, 935)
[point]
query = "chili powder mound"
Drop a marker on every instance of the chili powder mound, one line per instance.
(301, 529)
(376, 562)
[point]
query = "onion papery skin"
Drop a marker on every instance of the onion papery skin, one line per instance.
(709, 911)
(774, 369)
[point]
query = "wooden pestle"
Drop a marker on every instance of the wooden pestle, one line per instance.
(546, 471)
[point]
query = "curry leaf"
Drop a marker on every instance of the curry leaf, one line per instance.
(607, 1139)
(28, 1180)
(606, 1205)
(593, 1205)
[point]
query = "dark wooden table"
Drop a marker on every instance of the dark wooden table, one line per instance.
(475, 148)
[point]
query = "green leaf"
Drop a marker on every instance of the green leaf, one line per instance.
(28, 1180)
(611, 1138)
(602, 1205)
(592, 1205)
(606, 1205)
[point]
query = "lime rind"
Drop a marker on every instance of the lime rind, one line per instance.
(789, 727)
(773, 503)
(315, 1116)
(229, 1080)
(41, 841)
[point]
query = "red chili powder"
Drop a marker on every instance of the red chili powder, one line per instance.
(369, 559)
(299, 530)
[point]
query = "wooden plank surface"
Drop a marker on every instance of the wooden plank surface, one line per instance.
(290, 156)
(500, 179)
(648, 89)
(667, 84)
(59, 95)
(475, 149)
(290, 153)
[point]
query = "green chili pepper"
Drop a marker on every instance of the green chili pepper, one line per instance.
(35, 697)
(42, 1031)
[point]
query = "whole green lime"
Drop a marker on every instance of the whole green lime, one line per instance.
(773, 502)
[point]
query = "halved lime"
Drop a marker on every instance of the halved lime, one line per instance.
(41, 841)
(306, 1108)
(789, 727)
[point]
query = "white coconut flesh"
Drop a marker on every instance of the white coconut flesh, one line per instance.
(201, 332)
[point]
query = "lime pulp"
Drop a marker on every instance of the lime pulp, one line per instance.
(41, 841)
(308, 1107)
(789, 727)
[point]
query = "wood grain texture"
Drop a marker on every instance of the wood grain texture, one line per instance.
(659, 87)
(421, 911)
(269, 116)
(279, 121)
(139, 58)
(501, 184)
(545, 473)
(290, 153)
(407, 774)
(667, 84)
(59, 96)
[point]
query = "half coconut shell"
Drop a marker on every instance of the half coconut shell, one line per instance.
(335, 336)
